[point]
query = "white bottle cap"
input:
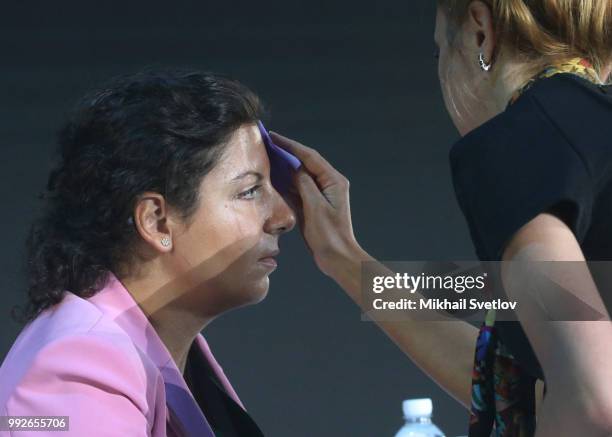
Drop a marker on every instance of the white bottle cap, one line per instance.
(414, 408)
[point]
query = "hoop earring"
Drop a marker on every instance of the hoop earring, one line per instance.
(165, 241)
(483, 65)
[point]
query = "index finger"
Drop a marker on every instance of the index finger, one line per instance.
(312, 160)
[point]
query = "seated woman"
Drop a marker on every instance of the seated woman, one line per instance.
(159, 217)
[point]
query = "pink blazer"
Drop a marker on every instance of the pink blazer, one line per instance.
(100, 362)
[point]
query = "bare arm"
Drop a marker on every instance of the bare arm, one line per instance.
(575, 355)
(444, 350)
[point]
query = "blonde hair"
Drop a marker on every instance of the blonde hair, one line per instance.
(544, 32)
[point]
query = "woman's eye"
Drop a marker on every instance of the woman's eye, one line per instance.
(250, 193)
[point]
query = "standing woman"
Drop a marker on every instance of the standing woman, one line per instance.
(524, 83)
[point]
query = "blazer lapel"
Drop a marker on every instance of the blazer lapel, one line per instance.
(209, 382)
(208, 356)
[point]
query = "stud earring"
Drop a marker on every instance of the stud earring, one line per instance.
(483, 65)
(165, 241)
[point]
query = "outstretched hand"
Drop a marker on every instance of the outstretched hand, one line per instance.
(323, 205)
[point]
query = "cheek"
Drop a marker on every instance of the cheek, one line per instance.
(448, 83)
(223, 236)
(242, 219)
(231, 253)
(457, 87)
(217, 256)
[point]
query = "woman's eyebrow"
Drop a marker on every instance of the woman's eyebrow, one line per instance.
(258, 175)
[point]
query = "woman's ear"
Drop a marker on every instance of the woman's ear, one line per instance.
(152, 221)
(479, 32)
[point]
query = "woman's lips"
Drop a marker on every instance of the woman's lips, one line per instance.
(269, 259)
(269, 262)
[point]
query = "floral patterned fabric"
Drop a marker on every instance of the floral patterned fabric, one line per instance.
(503, 394)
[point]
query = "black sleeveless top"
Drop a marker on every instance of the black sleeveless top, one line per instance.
(225, 416)
(549, 151)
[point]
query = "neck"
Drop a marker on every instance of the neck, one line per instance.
(510, 78)
(178, 330)
(514, 75)
(496, 89)
(159, 297)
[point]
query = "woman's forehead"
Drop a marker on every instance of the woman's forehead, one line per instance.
(244, 151)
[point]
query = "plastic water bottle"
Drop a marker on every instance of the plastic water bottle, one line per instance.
(417, 413)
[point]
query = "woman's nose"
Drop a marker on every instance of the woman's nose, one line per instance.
(282, 218)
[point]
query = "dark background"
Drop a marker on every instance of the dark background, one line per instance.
(355, 79)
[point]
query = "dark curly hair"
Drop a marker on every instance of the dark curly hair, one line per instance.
(158, 131)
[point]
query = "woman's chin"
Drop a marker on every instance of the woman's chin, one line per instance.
(252, 293)
(259, 291)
